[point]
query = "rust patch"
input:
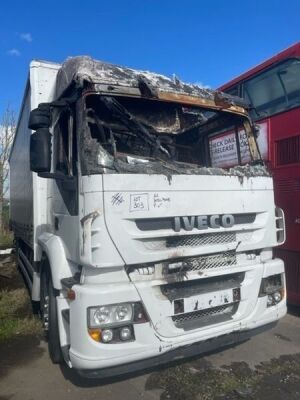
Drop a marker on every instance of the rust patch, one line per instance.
(91, 216)
(86, 223)
(254, 150)
(200, 102)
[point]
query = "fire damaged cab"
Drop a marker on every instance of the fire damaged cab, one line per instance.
(148, 253)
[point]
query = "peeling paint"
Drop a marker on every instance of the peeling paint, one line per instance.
(86, 224)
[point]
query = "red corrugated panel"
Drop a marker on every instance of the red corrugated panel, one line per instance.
(292, 269)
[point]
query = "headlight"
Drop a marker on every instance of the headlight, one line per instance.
(270, 284)
(124, 312)
(101, 316)
(273, 288)
(110, 315)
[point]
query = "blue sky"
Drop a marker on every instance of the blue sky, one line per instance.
(201, 41)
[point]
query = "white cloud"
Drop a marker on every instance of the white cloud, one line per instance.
(14, 52)
(26, 36)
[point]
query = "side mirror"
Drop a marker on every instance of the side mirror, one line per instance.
(40, 117)
(40, 150)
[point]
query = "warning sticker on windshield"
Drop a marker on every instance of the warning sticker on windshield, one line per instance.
(223, 149)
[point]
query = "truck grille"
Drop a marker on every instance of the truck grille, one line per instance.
(180, 290)
(201, 318)
(207, 239)
(201, 240)
(201, 263)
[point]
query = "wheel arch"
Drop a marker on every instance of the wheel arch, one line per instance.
(53, 250)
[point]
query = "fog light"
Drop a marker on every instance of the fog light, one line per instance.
(270, 300)
(277, 297)
(125, 333)
(107, 335)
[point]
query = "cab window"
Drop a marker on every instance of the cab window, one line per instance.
(274, 90)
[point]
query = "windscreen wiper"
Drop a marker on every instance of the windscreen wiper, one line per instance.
(121, 113)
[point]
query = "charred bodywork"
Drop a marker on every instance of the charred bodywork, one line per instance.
(139, 122)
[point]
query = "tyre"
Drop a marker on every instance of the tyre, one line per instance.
(49, 316)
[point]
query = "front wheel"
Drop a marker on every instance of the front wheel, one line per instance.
(49, 316)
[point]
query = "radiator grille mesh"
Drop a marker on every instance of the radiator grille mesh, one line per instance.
(201, 240)
(226, 259)
(205, 317)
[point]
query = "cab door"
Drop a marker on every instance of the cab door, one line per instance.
(64, 216)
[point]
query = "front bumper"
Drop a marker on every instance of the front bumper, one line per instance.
(192, 350)
(150, 349)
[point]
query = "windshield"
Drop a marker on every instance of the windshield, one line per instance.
(122, 133)
(275, 90)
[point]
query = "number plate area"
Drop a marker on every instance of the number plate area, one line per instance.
(206, 301)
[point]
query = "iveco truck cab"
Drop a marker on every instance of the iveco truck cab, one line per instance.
(136, 250)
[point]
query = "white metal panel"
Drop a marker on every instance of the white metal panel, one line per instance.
(96, 246)
(42, 82)
(28, 192)
(154, 183)
(129, 198)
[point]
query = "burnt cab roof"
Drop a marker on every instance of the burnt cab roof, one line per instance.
(103, 77)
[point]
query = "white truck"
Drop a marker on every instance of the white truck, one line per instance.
(136, 250)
